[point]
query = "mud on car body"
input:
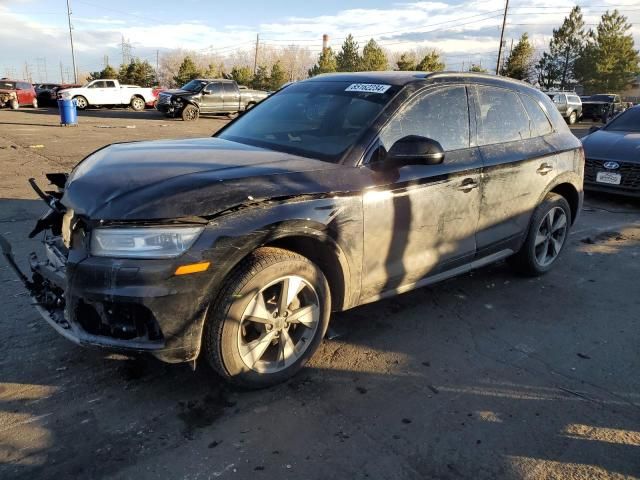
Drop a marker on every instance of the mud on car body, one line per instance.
(334, 192)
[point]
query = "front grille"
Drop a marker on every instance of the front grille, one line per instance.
(164, 99)
(630, 172)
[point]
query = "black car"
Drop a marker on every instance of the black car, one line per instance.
(334, 192)
(203, 95)
(613, 155)
(602, 106)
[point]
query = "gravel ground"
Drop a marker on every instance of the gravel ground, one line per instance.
(488, 375)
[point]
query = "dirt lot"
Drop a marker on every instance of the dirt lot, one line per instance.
(485, 376)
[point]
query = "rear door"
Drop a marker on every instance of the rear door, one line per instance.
(421, 219)
(212, 98)
(517, 164)
(231, 97)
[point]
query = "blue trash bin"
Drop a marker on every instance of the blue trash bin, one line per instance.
(68, 112)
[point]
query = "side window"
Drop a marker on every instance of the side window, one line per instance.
(540, 124)
(442, 116)
(229, 89)
(501, 117)
(99, 84)
(110, 84)
(24, 86)
(563, 99)
(214, 88)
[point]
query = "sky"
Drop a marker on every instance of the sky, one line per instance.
(35, 33)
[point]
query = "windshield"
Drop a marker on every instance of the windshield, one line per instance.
(194, 86)
(601, 98)
(7, 85)
(315, 119)
(628, 121)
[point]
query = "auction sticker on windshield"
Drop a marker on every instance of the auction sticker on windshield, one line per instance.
(367, 87)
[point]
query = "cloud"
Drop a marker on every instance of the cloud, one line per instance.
(456, 28)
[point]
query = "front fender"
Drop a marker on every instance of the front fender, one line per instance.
(334, 223)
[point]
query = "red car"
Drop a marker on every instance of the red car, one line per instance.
(15, 94)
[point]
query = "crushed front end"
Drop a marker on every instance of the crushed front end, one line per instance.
(119, 304)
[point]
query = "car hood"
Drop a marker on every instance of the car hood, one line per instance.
(6, 90)
(178, 92)
(182, 178)
(610, 145)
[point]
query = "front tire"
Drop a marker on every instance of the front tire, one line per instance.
(81, 103)
(190, 113)
(547, 236)
(268, 320)
(14, 104)
(573, 118)
(35, 103)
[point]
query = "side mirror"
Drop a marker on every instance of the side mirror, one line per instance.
(206, 92)
(594, 128)
(416, 150)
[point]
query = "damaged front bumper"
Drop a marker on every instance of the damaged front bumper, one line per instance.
(122, 305)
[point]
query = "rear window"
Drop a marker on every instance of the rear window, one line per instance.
(540, 124)
(502, 117)
(574, 99)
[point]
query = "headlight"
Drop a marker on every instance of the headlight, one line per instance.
(64, 95)
(143, 242)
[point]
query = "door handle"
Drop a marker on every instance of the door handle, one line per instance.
(467, 185)
(544, 169)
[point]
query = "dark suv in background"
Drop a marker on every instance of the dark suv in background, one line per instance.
(207, 96)
(334, 192)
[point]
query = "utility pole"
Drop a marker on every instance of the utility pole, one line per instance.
(73, 53)
(504, 22)
(106, 61)
(255, 57)
(61, 74)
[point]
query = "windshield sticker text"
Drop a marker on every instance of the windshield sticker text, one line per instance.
(367, 87)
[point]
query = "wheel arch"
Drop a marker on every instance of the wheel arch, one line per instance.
(327, 255)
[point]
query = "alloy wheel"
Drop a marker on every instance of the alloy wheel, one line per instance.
(551, 236)
(278, 325)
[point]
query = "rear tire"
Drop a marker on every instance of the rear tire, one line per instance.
(190, 113)
(14, 104)
(137, 104)
(35, 103)
(547, 236)
(253, 337)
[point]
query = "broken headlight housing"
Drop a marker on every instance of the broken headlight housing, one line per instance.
(143, 242)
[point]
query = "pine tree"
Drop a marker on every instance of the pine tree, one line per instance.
(260, 80)
(348, 59)
(477, 68)
(431, 63)
(187, 72)
(548, 71)
(326, 63)
(519, 63)
(609, 60)
(407, 62)
(566, 45)
(278, 76)
(242, 75)
(214, 71)
(373, 57)
(107, 72)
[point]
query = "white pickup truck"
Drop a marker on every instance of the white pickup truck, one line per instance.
(109, 93)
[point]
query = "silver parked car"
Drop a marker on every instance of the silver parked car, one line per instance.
(568, 104)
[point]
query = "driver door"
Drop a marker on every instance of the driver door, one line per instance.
(212, 98)
(421, 220)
